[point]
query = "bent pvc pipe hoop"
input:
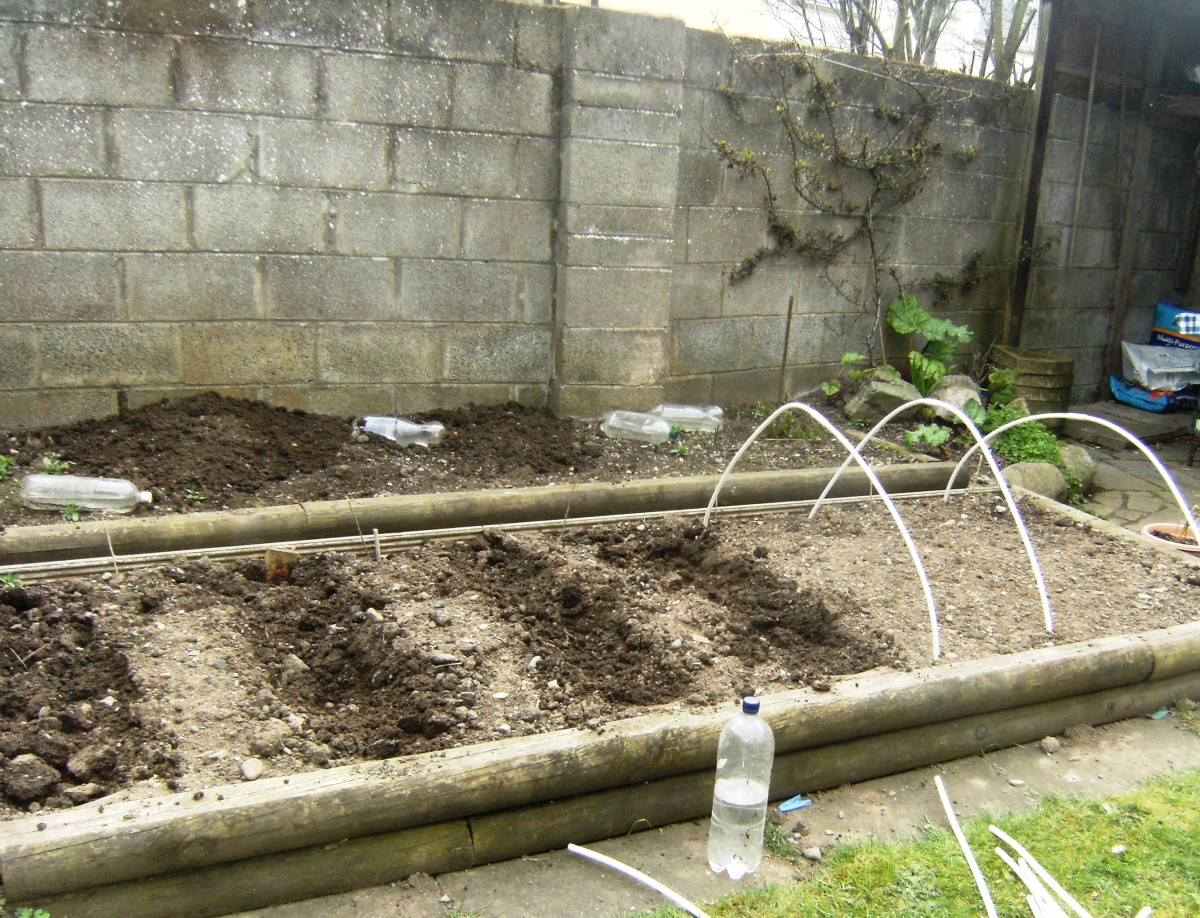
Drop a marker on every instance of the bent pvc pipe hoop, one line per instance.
(875, 483)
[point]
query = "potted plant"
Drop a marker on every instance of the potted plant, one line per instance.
(1176, 535)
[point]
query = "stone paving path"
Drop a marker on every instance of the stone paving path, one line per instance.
(1129, 492)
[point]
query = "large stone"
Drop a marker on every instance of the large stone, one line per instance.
(93, 760)
(956, 390)
(1079, 462)
(878, 397)
(27, 777)
(1039, 477)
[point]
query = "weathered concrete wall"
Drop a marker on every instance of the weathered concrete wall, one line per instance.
(392, 205)
(1070, 298)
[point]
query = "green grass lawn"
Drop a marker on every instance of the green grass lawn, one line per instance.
(1073, 838)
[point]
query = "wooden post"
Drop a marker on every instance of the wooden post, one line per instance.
(787, 337)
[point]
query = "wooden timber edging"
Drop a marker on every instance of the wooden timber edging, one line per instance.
(252, 845)
(417, 512)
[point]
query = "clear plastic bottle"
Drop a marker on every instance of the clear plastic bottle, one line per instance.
(52, 492)
(406, 433)
(702, 418)
(744, 758)
(634, 425)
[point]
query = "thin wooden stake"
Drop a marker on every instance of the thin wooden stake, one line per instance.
(787, 335)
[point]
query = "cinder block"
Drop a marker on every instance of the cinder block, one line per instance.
(536, 293)
(460, 291)
(114, 216)
(724, 235)
(98, 68)
(590, 402)
(696, 291)
(498, 353)
(606, 172)
(18, 214)
(453, 162)
(607, 220)
(607, 91)
(1157, 251)
(361, 24)
(108, 355)
(18, 357)
(606, 297)
(806, 344)
(537, 169)
(538, 38)
(621, 124)
(1093, 248)
(35, 410)
(709, 60)
(10, 74)
(324, 154)
(387, 90)
(379, 352)
(215, 17)
(238, 76)
(728, 345)
(613, 356)
(508, 230)
(328, 287)
(51, 140)
(58, 286)
(629, 251)
(248, 353)
(700, 178)
(688, 390)
(334, 401)
(746, 387)
(605, 41)
(499, 98)
(469, 30)
(192, 287)
(256, 218)
(416, 225)
(204, 147)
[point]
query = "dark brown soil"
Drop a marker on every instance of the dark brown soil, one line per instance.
(176, 676)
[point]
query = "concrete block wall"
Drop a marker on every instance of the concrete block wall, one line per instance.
(356, 206)
(343, 207)
(1070, 298)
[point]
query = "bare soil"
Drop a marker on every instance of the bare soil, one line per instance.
(175, 677)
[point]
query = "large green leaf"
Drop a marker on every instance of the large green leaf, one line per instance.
(925, 372)
(906, 317)
(945, 330)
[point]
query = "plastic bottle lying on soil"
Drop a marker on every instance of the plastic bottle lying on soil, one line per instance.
(634, 425)
(745, 754)
(53, 492)
(703, 418)
(406, 433)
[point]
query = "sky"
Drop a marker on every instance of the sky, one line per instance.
(736, 17)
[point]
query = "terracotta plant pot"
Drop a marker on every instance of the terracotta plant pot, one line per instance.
(1156, 531)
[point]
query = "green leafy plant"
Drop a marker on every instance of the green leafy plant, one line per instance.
(1029, 442)
(26, 912)
(926, 435)
(1002, 384)
(6, 467)
(193, 496)
(680, 450)
(832, 387)
(73, 513)
(54, 464)
(10, 580)
(925, 371)
(941, 336)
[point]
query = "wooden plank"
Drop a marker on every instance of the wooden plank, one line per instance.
(101, 843)
(415, 512)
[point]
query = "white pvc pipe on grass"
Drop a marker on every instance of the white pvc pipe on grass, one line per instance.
(980, 882)
(658, 887)
(875, 483)
(1041, 872)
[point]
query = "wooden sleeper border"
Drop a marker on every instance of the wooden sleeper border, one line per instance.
(248, 846)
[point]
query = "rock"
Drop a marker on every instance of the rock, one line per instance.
(879, 396)
(252, 769)
(292, 667)
(1050, 745)
(956, 390)
(812, 854)
(1079, 462)
(83, 793)
(373, 615)
(269, 737)
(1016, 782)
(95, 759)
(27, 777)
(79, 717)
(1038, 477)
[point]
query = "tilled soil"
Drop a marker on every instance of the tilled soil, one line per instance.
(184, 676)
